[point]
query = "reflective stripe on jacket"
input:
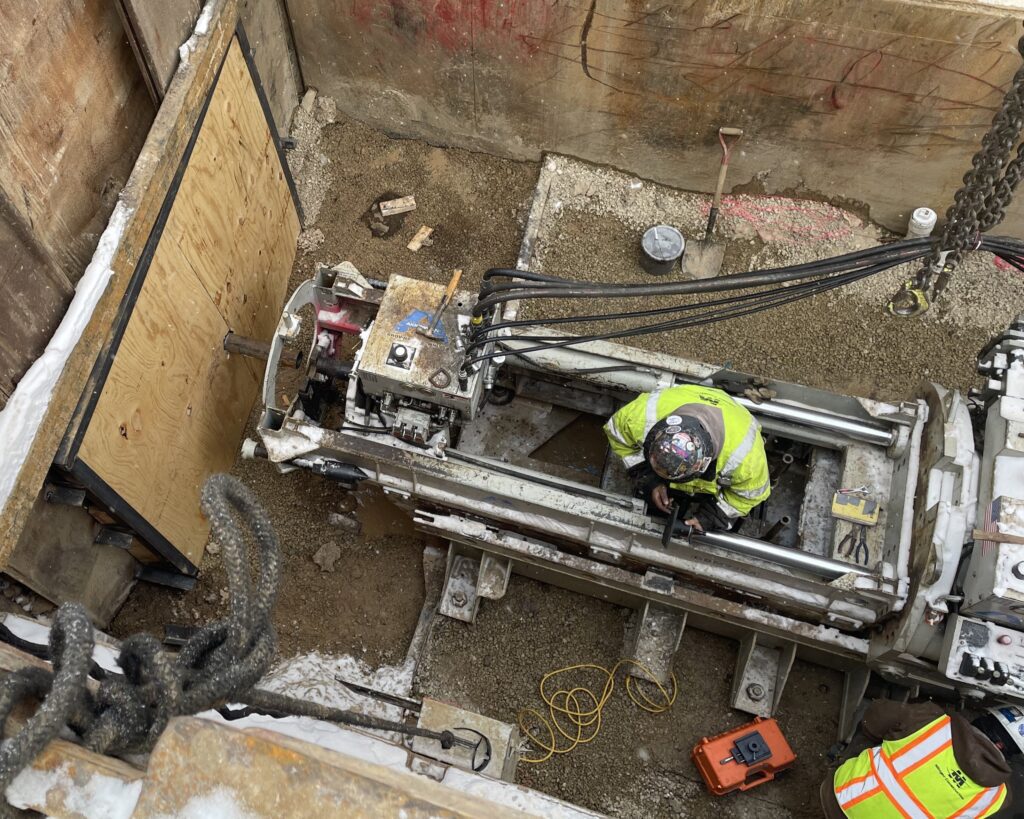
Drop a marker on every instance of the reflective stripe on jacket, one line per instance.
(740, 481)
(913, 778)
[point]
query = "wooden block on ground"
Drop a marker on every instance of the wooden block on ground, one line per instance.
(393, 207)
(421, 238)
(67, 781)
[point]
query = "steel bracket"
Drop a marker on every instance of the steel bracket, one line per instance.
(492, 581)
(652, 639)
(761, 674)
(855, 686)
(459, 598)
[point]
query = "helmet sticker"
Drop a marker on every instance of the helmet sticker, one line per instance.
(674, 420)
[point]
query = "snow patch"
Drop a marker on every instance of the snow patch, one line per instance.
(105, 656)
(314, 677)
(221, 803)
(20, 419)
(100, 797)
(202, 27)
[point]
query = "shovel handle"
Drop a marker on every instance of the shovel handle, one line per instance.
(723, 133)
(712, 219)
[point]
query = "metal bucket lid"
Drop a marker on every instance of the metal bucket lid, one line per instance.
(663, 243)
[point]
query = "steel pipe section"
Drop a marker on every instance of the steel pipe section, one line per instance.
(781, 555)
(858, 430)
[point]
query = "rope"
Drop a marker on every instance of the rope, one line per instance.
(221, 661)
(575, 712)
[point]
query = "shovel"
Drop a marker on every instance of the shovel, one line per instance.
(703, 257)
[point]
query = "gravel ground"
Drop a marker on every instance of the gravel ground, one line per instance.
(475, 203)
(639, 765)
(843, 340)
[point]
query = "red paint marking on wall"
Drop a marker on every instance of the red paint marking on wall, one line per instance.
(457, 24)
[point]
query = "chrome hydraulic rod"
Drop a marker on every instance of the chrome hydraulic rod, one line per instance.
(780, 555)
(858, 430)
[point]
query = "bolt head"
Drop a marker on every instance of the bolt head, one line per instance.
(459, 599)
(755, 691)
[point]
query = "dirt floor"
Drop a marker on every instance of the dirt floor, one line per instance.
(639, 765)
(360, 593)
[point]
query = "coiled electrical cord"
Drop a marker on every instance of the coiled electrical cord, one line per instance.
(575, 711)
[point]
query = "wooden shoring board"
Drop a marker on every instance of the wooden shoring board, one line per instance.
(171, 409)
(155, 30)
(143, 197)
(74, 113)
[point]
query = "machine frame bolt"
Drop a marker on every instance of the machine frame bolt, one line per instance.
(756, 692)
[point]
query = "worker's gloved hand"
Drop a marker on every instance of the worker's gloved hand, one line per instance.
(651, 487)
(709, 517)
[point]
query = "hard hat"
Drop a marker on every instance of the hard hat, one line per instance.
(678, 448)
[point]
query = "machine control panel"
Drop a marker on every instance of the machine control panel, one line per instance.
(985, 655)
(400, 358)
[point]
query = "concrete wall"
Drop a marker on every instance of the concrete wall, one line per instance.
(880, 101)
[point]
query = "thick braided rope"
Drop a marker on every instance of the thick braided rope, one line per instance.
(220, 662)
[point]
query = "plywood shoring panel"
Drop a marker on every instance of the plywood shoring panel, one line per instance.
(174, 405)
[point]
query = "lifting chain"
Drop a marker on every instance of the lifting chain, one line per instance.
(978, 206)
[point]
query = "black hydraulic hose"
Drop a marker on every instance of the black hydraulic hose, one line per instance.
(856, 255)
(658, 311)
(783, 296)
(529, 275)
(893, 254)
(775, 299)
(1014, 262)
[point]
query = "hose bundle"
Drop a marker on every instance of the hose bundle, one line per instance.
(742, 294)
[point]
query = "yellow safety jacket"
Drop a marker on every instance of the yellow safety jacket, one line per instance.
(740, 481)
(913, 778)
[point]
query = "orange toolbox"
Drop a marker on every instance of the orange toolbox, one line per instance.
(744, 757)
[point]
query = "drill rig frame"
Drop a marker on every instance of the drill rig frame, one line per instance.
(455, 449)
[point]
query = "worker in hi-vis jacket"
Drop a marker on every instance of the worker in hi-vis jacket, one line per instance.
(923, 763)
(695, 440)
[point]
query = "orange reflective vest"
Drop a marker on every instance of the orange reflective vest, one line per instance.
(916, 777)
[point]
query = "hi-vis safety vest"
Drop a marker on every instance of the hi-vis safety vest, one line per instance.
(913, 778)
(740, 481)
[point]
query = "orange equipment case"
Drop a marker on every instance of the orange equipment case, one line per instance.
(744, 757)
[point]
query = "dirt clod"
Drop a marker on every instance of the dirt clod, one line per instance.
(327, 555)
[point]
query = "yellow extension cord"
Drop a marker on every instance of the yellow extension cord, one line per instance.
(582, 708)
